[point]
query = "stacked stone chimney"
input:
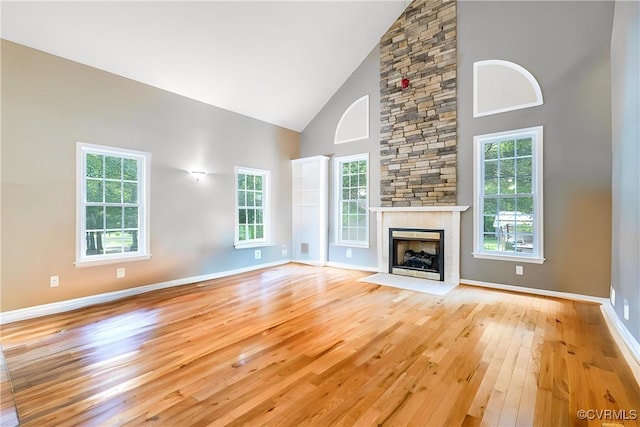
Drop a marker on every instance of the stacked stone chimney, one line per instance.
(418, 123)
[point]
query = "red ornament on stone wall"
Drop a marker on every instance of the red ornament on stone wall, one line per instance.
(405, 83)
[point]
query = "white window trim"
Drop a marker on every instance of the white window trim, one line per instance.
(144, 247)
(337, 190)
(537, 168)
(266, 211)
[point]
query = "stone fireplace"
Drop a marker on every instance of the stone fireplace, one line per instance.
(441, 218)
(418, 142)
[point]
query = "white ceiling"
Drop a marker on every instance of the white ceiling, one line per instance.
(279, 62)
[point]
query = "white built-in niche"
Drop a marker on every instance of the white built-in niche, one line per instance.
(500, 86)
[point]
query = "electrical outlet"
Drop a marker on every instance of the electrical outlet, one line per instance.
(519, 270)
(626, 309)
(285, 250)
(349, 253)
(120, 273)
(257, 254)
(54, 281)
(613, 296)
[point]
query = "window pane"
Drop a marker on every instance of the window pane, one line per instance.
(94, 244)
(257, 180)
(259, 232)
(251, 232)
(523, 185)
(362, 180)
(114, 217)
(113, 242)
(258, 199)
(525, 205)
(353, 181)
(113, 192)
(507, 205)
(251, 216)
(259, 216)
(130, 192)
(130, 241)
(249, 182)
(250, 198)
(490, 206)
(491, 171)
(242, 181)
(362, 207)
(131, 217)
(507, 185)
(491, 150)
(242, 198)
(362, 166)
(113, 167)
(242, 232)
(524, 147)
(345, 181)
(242, 216)
(130, 169)
(94, 166)
(94, 217)
(507, 149)
(362, 220)
(490, 242)
(491, 187)
(94, 191)
(489, 223)
(362, 235)
(353, 168)
(507, 168)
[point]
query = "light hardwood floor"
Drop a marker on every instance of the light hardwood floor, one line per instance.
(299, 345)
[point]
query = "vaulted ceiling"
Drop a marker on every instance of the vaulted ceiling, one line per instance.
(276, 61)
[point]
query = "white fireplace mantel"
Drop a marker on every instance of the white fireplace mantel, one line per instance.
(446, 218)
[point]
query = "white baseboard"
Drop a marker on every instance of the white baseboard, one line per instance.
(72, 304)
(534, 291)
(352, 267)
(626, 342)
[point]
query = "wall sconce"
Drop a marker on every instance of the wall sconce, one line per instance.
(197, 174)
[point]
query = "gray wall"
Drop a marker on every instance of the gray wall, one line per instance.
(565, 45)
(625, 109)
(49, 103)
(317, 139)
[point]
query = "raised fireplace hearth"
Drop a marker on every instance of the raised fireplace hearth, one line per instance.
(417, 252)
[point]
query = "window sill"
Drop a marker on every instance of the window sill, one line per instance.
(111, 260)
(251, 245)
(513, 258)
(354, 245)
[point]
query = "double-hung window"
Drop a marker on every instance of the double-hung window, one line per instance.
(252, 203)
(352, 191)
(508, 196)
(112, 205)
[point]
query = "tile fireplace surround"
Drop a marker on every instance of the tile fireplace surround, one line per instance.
(445, 218)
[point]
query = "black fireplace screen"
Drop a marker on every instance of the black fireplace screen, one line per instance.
(417, 252)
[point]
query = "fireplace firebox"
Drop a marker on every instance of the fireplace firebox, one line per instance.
(417, 252)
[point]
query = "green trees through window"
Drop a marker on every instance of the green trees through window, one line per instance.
(353, 200)
(251, 187)
(508, 187)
